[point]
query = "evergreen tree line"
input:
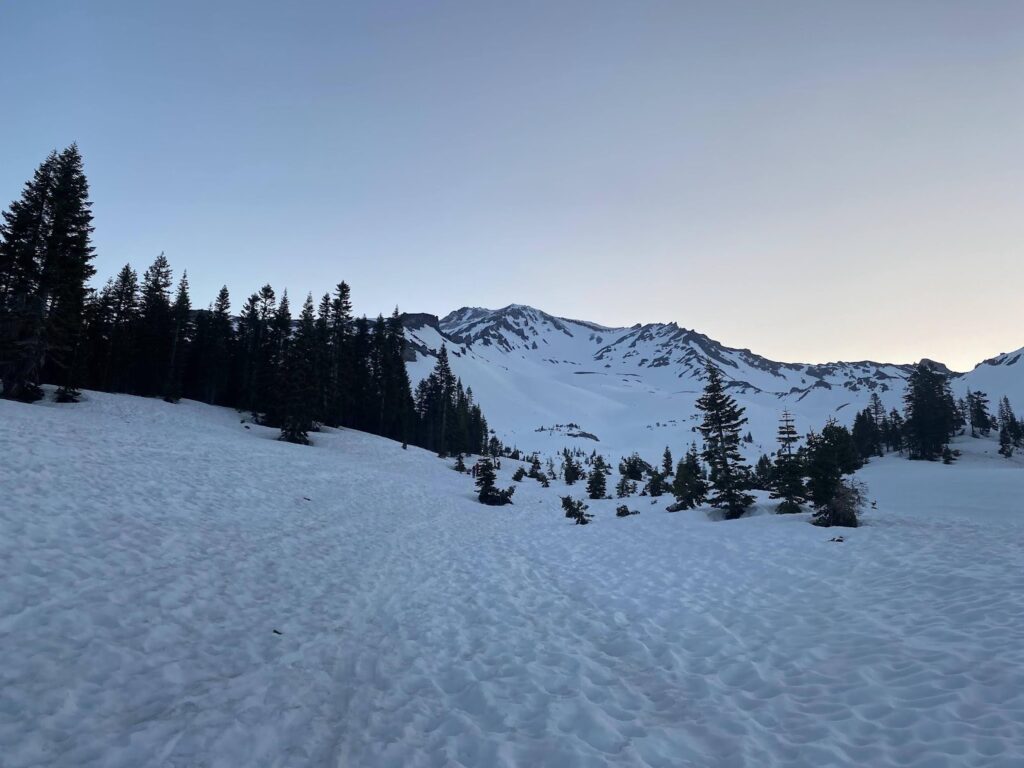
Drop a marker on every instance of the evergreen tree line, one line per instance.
(45, 261)
(815, 473)
(142, 336)
(930, 418)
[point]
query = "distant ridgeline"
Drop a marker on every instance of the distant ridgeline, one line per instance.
(140, 338)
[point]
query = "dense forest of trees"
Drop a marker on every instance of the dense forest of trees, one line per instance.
(141, 336)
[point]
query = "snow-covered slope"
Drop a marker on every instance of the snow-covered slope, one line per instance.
(181, 590)
(634, 388)
(998, 376)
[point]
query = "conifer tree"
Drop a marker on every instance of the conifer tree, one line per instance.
(361, 382)
(118, 373)
(764, 473)
(866, 434)
(895, 433)
(70, 257)
(576, 510)
(787, 436)
(396, 410)
(930, 413)
(1004, 412)
(1010, 426)
(877, 409)
(181, 334)
(843, 508)
(689, 486)
(633, 467)
(251, 329)
(217, 363)
(98, 325)
(720, 429)
(155, 328)
(341, 364)
(381, 372)
(485, 482)
(624, 487)
(23, 234)
(977, 414)
(596, 486)
(788, 483)
(829, 455)
(273, 384)
(436, 403)
(1005, 442)
(324, 373)
(298, 379)
(536, 472)
(45, 260)
(571, 470)
(655, 485)
(666, 462)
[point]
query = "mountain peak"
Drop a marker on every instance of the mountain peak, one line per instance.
(935, 365)
(636, 387)
(1005, 359)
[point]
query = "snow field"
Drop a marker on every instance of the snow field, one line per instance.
(150, 552)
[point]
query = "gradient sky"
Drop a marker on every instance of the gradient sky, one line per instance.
(812, 180)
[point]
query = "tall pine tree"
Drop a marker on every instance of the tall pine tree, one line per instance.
(181, 314)
(300, 395)
(788, 485)
(45, 261)
(720, 428)
(155, 328)
(930, 413)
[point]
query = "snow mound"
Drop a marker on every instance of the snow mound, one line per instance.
(180, 590)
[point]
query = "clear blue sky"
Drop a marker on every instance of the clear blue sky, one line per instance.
(804, 178)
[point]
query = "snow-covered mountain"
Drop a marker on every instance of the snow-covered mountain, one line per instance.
(546, 382)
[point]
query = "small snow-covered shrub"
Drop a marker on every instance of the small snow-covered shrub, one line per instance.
(576, 510)
(497, 497)
(491, 495)
(788, 507)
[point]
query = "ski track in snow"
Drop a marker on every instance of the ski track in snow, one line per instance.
(150, 551)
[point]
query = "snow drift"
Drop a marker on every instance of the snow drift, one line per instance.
(181, 590)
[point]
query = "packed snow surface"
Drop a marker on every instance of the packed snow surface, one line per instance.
(181, 590)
